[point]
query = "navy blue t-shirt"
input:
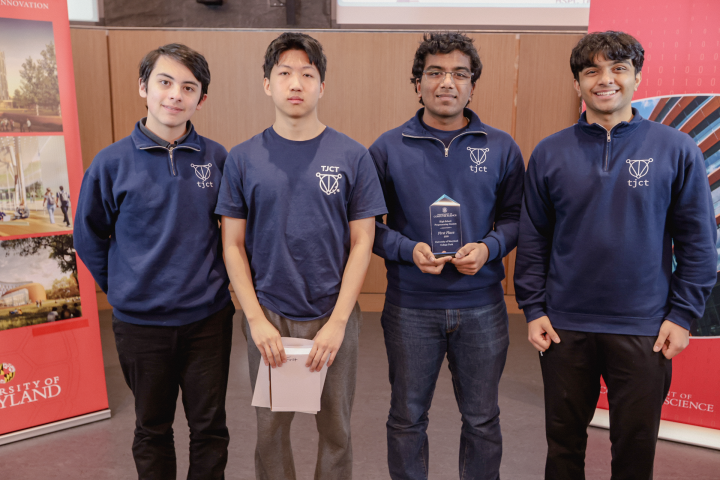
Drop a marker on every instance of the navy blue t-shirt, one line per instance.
(298, 199)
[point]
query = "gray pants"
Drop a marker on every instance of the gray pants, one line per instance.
(273, 452)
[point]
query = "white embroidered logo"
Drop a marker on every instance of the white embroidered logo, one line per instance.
(478, 158)
(638, 169)
(329, 183)
(203, 173)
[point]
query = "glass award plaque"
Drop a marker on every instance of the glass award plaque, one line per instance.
(445, 227)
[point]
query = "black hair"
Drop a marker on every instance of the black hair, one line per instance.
(612, 45)
(194, 61)
(445, 42)
(295, 41)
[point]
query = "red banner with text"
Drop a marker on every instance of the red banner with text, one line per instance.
(680, 89)
(51, 365)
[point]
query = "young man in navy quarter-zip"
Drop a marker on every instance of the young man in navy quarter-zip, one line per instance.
(145, 227)
(452, 305)
(607, 201)
(298, 203)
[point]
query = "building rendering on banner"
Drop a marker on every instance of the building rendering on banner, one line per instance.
(21, 293)
(4, 90)
(11, 165)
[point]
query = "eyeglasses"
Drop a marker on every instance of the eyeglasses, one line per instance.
(437, 76)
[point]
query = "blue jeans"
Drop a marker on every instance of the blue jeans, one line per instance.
(476, 342)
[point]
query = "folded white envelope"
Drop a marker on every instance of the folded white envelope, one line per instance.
(292, 387)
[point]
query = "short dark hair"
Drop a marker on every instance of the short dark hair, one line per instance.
(295, 41)
(445, 42)
(612, 45)
(194, 61)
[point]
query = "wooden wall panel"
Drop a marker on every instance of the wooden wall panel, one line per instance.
(92, 84)
(546, 100)
(494, 98)
(367, 91)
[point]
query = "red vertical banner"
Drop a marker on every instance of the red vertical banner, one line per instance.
(51, 366)
(681, 88)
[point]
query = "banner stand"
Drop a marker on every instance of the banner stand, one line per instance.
(51, 363)
(54, 426)
(672, 431)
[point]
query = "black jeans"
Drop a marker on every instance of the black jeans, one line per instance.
(638, 381)
(64, 209)
(156, 361)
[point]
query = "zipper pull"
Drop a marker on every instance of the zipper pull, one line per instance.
(172, 162)
(447, 149)
(608, 137)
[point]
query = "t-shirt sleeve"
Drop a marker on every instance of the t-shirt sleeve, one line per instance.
(367, 199)
(231, 200)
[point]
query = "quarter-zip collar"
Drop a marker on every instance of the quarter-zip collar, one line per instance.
(191, 140)
(415, 129)
(161, 141)
(619, 130)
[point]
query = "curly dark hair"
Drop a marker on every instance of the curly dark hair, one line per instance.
(194, 61)
(445, 42)
(612, 45)
(295, 41)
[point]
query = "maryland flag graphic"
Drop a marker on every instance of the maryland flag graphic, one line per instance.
(7, 373)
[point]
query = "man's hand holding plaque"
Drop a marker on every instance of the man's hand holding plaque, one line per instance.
(426, 261)
(471, 258)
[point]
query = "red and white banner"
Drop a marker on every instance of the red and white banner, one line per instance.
(681, 88)
(51, 365)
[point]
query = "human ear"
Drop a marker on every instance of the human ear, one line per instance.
(266, 87)
(201, 102)
(142, 88)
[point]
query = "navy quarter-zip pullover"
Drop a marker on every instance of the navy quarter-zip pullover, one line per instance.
(600, 215)
(146, 229)
(482, 169)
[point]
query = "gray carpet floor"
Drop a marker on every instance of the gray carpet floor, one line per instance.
(101, 451)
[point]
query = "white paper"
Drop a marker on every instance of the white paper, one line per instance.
(294, 387)
(261, 396)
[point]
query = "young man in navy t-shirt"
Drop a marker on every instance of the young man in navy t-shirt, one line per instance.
(451, 306)
(146, 229)
(298, 203)
(607, 203)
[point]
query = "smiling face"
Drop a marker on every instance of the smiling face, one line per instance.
(607, 88)
(294, 85)
(445, 99)
(173, 94)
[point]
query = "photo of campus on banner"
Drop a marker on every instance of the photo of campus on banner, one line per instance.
(38, 281)
(29, 92)
(34, 193)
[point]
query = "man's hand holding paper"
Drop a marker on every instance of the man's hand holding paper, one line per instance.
(294, 388)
